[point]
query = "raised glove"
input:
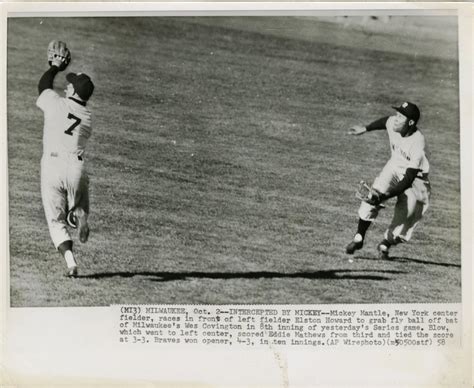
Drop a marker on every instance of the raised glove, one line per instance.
(58, 54)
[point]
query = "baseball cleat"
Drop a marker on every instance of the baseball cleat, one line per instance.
(83, 226)
(72, 272)
(71, 219)
(356, 244)
(383, 251)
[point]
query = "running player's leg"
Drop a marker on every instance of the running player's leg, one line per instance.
(53, 197)
(404, 206)
(82, 209)
(408, 212)
(368, 213)
(78, 198)
(54, 204)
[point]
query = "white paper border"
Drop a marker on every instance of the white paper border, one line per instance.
(36, 331)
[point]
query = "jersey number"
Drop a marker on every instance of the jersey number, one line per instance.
(74, 125)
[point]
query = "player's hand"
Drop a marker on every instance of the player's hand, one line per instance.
(357, 130)
(58, 54)
(370, 195)
(374, 197)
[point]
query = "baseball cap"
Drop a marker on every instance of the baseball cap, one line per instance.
(82, 83)
(409, 110)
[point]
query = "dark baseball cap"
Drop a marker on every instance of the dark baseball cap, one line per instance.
(409, 110)
(82, 83)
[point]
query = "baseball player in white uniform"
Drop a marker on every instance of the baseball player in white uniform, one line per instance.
(405, 176)
(64, 181)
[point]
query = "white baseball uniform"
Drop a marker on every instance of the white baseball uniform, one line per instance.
(64, 181)
(406, 152)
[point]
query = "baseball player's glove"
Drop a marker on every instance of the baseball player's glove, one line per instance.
(58, 54)
(370, 195)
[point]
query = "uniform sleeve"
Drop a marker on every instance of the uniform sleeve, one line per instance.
(47, 99)
(47, 79)
(378, 124)
(390, 123)
(401, 186)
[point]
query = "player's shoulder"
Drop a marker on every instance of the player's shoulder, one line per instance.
(47, 97)
(419, 135)
(77, 107)
(49, 93)
(390, 123)
(418, 139)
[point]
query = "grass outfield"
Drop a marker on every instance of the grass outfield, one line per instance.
(220, 167)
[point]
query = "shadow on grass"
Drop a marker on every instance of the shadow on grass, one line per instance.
(170, 276)
(408, 260)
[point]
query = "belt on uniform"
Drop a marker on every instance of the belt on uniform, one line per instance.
(55, 155)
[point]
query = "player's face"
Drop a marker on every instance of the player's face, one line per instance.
(400, 122)
(69, 90)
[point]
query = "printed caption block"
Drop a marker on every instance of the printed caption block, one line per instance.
(321, 327)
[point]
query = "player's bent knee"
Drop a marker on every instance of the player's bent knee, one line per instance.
(367, 212)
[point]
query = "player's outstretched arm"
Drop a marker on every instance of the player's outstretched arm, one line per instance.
(59, 58)
(404, 184)
(47, 80)
(375, 197)
(373, 126)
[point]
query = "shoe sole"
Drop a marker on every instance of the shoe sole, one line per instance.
(82, 224)
(383, 255)
(72, 273)
(351, 250)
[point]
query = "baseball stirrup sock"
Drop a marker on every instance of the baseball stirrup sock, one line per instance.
(70, 261)
(363, 226)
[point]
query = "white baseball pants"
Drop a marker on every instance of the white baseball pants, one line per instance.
(410, 207)
(64, 186)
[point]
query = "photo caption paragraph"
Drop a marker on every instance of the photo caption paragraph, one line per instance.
(295, 326)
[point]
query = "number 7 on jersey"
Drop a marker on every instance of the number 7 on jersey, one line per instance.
(73, 125)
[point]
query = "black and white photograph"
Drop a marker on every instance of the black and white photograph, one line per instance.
(248, 160)
(233, 163)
